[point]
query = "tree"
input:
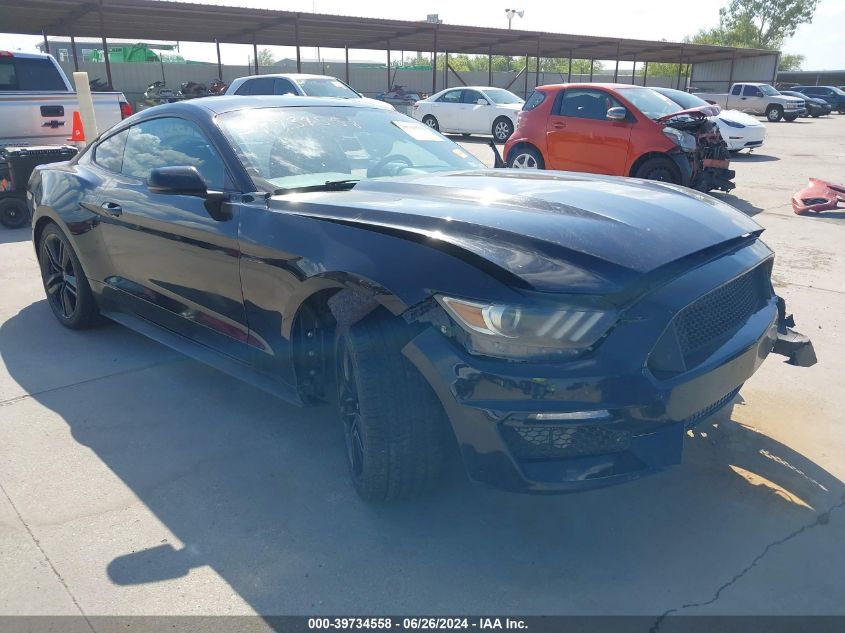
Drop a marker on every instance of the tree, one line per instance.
(790, 62)
(757, 23)
(265, 57)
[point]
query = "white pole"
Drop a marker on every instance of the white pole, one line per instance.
(86, 106)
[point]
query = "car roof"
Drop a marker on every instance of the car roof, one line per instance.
(611, 86)
(288, 76)
(230, 103)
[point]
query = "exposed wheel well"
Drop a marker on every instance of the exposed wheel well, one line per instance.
(638, 163)
(39, 229)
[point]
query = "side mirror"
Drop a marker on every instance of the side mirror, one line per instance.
(185, 181)
(617, 114)
(482, 102)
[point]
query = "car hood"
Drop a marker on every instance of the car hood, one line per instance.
(742, 118)
(555, 231)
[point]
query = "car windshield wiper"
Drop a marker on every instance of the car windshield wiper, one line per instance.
(329, 185)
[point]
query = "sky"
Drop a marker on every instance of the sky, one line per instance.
(820, 42)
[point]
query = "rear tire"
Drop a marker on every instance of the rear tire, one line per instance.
(396, 433)
(431, 122)
(526, 158)
(774, 113)
(68, 293)
(659, 169)
(13, 213)
(502, 129)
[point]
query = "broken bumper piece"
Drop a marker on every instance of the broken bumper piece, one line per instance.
(797, 347)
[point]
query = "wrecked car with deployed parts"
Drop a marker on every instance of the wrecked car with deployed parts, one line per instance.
(559, 331)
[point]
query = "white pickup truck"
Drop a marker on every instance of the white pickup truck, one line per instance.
(759, 99)
(37, 102)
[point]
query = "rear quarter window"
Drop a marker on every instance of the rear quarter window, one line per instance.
(31, 74)
(534, 100)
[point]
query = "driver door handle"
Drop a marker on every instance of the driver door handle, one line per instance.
(112, 208)
(558, 125)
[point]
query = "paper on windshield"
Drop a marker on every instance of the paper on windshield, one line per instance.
(418, 131)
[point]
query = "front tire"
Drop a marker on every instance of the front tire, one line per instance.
(431, 122)
(790, 118)
(526, 158)
(502, 129)
(68, 292)
(395, 430)
(13, 213)
(774, 113)
(660, 169)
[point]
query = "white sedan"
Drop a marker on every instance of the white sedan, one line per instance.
(471, 110)
(738, 129)
(299, 84)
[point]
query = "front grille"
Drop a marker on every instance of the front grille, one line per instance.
(543, 441)
(720, 312)
(706, 412)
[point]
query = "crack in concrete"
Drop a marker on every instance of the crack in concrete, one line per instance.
(821, 519)
(47, 558)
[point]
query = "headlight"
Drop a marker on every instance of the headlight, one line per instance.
(684, 140)
(521, 332)
(732, 123)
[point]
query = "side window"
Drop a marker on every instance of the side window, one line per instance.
(751, 91)
(109, 152)
(534, 99)
(283, 87)
(172, 142)
(453, 96)
(471, 96)
(736, 90)
(825, 91)
(262, 86)
(586, 103)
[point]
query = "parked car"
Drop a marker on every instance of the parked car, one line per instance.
(815, 107)
(831, 94)
(757, 98)
(471, 110)
(399, 95)
(739, 130)
(37, 101)
(620, 130)
(302, 85)
(569, 328)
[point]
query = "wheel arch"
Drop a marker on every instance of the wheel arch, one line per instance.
(523, 145)
(644, 157)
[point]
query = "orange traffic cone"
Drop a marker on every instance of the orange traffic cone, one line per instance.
(78, 133)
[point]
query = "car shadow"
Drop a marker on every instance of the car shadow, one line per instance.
(257, 490)
(752, 157)
(9, 236)
(746, 207)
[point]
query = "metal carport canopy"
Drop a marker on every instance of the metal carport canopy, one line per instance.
(164, 20)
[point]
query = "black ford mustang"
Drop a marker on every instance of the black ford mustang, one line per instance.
(564, 329)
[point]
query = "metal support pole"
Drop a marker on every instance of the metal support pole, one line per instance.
(46, 43)
(434, 64)
(537, 74)
(105, 46)
(634, 73)
(569, 71)
(645, 73)
(616, 72)
(219, 61)
(346, 66)
(525, 93)
(490, 66)
(255, 54)
(680, 66)
(75, 56)
(775, 74)
(388, 65)
(296, 37)
(592, 61)
(731, 74)
(445, 70)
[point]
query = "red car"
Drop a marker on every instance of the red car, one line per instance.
(620, 130)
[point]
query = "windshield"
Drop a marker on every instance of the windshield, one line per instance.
(684, 99)
(295, 147)
(767, 90)
(652, 104)
(327, 87)
(500, 96)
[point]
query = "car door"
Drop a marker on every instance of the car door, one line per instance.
(472, 116)
(580, 137)
(446, 109)
(172, 263)
(752, 100)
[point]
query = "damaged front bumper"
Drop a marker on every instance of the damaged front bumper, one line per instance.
(553, 428)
